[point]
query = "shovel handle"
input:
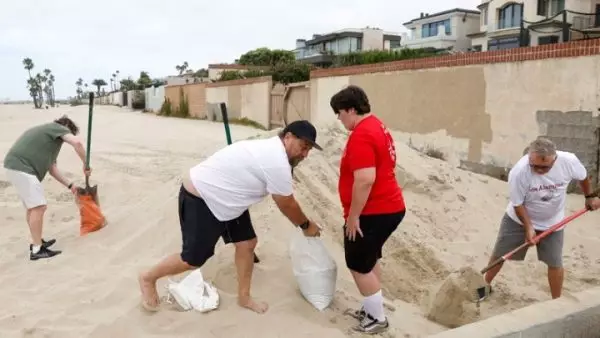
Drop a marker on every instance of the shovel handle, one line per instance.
(536, 239)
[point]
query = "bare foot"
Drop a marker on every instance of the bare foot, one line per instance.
(249, 303)
(149, 294)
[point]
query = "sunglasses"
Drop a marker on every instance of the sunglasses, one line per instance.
(540, 167)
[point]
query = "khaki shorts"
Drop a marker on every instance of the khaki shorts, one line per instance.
(28, 187)
(512, 234)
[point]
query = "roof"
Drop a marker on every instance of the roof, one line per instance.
(450, 11)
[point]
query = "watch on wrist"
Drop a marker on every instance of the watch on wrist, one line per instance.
(70, 185)
(590, 196)
(304, 225)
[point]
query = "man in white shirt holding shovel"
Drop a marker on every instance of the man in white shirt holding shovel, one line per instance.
(538, 187)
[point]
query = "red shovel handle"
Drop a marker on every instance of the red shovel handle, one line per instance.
(536, 238)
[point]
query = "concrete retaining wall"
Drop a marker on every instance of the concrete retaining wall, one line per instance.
(576, 316)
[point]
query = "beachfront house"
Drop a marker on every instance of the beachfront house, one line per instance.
(445, 30)
(508, 24)
(321, 48)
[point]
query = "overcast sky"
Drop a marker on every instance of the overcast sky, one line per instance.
(92, 39)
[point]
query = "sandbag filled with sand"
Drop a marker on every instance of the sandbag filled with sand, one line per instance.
(453, 302)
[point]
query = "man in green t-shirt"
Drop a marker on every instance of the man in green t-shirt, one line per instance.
(28, 161)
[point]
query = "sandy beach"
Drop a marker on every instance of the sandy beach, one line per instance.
(91, 289)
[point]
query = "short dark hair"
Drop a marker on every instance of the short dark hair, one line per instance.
(351, 97)
(67, 122)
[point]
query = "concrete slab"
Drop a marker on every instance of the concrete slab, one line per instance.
(575, 316)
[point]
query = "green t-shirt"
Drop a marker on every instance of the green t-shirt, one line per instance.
(36, 150)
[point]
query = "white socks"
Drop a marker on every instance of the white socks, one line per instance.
(35, 248)
(373, 305)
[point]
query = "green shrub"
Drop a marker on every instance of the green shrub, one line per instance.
(166, 109)
(378, 56)
(184, 106)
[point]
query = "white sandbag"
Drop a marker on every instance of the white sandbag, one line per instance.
(315, 270)
(193, 292)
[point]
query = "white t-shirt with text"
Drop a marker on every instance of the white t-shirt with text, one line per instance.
(242, 174)
(543, 196)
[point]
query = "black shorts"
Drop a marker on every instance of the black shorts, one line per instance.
(201, 230)
(363, 253)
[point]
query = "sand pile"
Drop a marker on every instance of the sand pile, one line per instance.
(453, 303)
(452, 219)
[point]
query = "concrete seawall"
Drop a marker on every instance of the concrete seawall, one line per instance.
(572, 316)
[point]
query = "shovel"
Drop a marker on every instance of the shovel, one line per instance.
(89, 190)
(482, 291)
(92, 218)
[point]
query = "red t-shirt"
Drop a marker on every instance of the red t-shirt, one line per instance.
(370, 144)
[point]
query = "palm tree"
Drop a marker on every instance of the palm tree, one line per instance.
(40, 79)
(181, 69)
(79, 83)
(52, 94)
(31, 83)
(99, 83)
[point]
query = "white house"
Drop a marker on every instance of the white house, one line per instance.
(443, 30)
(320, 49)
(543, 21)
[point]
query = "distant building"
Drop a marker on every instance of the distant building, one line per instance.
(444, 30)
(320, 49)
(544, 22)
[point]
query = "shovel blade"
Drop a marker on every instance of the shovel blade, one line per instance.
(90, 191)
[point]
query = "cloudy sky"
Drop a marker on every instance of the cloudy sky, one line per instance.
(92, 39)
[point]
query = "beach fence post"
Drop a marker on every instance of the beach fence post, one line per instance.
(225, 122)
(223, 107)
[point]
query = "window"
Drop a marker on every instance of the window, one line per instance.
(485, 14)
(433, 28)
(504, 43)
(556, 6)
(510, 16)
(476, 48)
(542, 7)
(546, 40)
(394, 44)
(343, 45)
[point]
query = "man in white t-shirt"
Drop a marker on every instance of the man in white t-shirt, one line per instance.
(214, 200)
(538, 187)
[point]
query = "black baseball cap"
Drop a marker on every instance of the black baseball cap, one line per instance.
(304, 130)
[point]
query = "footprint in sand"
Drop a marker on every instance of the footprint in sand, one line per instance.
(4, 184)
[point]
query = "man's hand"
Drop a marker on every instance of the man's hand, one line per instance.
(74, 189)
(87, 171)
(313, 230)
(353, 227)
(592, 203)
(529, 236)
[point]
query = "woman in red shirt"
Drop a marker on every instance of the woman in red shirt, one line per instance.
(371, 198)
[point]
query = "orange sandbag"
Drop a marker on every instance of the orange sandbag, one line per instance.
(92, 218)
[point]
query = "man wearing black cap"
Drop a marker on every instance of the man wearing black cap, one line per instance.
(214, 200)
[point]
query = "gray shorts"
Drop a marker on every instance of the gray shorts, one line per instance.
(512, 234)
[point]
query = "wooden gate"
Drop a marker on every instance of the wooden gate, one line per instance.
(276, 117)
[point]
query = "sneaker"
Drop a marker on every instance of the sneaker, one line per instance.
(356, 314)
(371, 325)
(43, 253)
(44, 244)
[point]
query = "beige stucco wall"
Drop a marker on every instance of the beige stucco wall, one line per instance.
(482, 113)
(250, 99)
(217, 95)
